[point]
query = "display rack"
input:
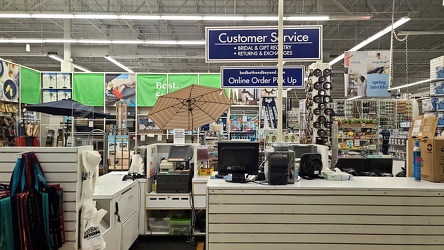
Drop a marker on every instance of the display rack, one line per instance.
(361, 138)
(243, 122)
(8, 116)
(398, 144)
(167, 203)
(318, 104)
(388, 114)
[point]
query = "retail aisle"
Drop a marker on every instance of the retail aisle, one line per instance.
(165, 243)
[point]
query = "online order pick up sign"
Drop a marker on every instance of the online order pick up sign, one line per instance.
(235, 44)
(261, 77)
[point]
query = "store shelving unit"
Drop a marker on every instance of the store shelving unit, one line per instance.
(388, 113)
(398, 144)
(243, 122)
(362, 138)
(171, 203)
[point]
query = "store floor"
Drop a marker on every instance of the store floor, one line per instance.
(166, 243)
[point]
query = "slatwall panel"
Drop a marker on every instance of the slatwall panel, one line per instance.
(62, 166)
(325, 218)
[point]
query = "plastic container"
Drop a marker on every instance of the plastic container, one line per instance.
(159, 224)
(417, 162)
(180, 226)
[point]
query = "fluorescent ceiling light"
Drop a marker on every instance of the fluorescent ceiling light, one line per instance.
(223, 18)
(372, 38)
(81, 68)
(306, 18)
(128, 42)
(139, 17)
(184, 42)
(95, 16)
(57, 58)
(61, 15)
(14, 15)
(102, 41)
(354, 97)
(59, 41)
(416, 83)
(118, 64)
(260, 18)
(184, 18)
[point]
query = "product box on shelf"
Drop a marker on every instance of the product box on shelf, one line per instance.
(437, 88)
(427, 105)
(432, 151)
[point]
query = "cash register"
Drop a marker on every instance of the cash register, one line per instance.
(177, 177)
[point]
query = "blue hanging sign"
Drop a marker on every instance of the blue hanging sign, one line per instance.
(261, 77)
(235, 44)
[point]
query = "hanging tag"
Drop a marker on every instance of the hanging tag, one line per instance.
(91, 124)
(142, 137)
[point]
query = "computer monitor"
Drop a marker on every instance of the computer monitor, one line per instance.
(379, 166)
(300, 149)
(238, 158)
(182, 153)
(354, 166)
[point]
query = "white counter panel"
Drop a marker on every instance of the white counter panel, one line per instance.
(111, 185)
(366, 213)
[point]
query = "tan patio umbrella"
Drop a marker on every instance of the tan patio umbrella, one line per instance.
(189, 108)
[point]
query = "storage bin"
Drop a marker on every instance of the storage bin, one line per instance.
(159, 224)
(180, 225)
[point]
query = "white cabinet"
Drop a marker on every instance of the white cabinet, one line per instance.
(120, 226)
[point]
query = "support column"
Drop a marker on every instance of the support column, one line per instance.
(280, 68)
(67, 65)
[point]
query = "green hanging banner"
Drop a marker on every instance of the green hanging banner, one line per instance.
(89, 88)
(179, 81)
(210, 80)
(30, 86)
(150, 87)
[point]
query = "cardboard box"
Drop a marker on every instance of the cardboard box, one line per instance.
(432, 151)
(122, 163)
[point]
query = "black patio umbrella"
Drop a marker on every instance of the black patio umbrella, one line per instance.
(67, 107)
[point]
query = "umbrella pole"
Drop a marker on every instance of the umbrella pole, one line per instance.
(192, 126)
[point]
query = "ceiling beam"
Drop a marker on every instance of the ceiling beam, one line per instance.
(341, 7)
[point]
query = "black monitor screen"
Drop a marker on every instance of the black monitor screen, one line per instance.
(355, 166)
(299, 150)
(238, 157)
(379, 165)
(180, 153)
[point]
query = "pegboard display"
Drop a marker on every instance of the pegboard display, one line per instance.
(318, 104)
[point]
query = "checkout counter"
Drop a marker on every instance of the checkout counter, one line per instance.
(367, 213)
